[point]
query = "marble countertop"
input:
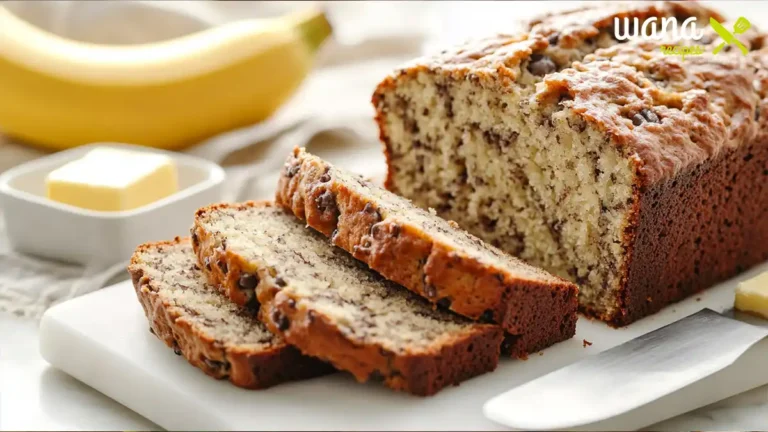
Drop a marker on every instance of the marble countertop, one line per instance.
(34, 396)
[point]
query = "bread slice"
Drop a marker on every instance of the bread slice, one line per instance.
(329, 305)
(429, 255)
(214, 334)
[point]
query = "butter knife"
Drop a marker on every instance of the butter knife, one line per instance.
(623, 380)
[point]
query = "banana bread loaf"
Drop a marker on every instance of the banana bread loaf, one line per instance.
(215, 335)
(330, 306)
(429, 255)
(642, 177)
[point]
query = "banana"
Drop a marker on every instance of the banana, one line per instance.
(58, 93)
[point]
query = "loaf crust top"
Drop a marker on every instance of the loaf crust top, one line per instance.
(666, 112)
(670, 113)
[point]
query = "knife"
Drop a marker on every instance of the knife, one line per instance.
(632, 375)
(726, 35)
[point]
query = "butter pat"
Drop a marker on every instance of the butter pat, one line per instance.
(108, 179)
(752, 296)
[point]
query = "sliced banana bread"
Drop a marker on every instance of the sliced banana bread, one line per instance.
(214, 334)
(331, 306)
(429, 255)
(641, 176)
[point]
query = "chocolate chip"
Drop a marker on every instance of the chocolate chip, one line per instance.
(489, 225)
(395, 231)
(151, 330)
(554, 39)
(376, 376)
(507, 343)
(637, 120)
(411, 125)
(248, 281)
(176, 350)
(487, 316)
(291, 303)
(326, 202)
(292, 170)
(444, 93)
(280, 320)
(325, 178)
(444, 302)
(430, 291)
(252, 304)
(541, 65)
(649, 115)
(216, 365)
(280, 282)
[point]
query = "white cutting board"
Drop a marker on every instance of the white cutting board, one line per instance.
(103, 340)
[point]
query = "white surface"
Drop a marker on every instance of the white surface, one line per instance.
(39, 226)
(103, 340)
(34, 396)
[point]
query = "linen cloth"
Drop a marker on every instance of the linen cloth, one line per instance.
(331, 113)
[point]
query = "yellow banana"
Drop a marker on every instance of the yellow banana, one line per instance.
(58, 93)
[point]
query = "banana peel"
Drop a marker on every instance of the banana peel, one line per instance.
(57, 93)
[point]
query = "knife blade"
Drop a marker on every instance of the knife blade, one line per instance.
(726, 35)
(629, 376)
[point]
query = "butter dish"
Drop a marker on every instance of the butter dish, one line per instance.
(38, 226)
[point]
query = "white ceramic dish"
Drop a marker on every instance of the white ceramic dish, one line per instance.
(39, 226)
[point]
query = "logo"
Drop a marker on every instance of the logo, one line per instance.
(650, 29)
(668, 28)
(740, 26)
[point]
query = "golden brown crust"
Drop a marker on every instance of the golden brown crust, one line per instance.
(702, 105)
(540, 311)
(423, 374)
(242, 366)
(473, 353)
(703, 226)
(214, 258)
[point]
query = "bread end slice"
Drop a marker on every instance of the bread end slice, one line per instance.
(213, 334)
